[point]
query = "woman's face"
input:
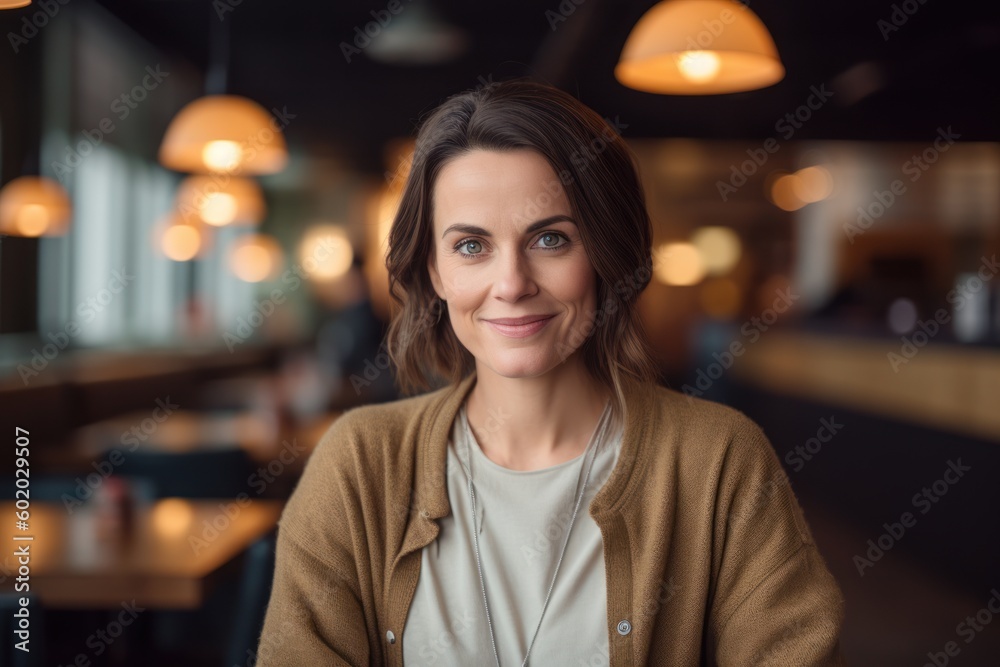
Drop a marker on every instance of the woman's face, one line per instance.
(506, 247)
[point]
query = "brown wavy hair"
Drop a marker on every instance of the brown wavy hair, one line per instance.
(599, 174)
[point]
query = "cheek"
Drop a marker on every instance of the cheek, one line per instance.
(464, 293)
(580, 282)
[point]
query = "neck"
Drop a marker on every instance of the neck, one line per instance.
(534, 423)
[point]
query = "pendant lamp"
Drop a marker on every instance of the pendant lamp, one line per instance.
(221, 132)
(699, 47)
(224, 133)
(14, 4)
(34, 206)
(219, 201)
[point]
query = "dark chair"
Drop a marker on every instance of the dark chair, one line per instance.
(255, 591)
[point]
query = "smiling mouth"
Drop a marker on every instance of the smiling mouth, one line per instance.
(518, 321)
(528, 326)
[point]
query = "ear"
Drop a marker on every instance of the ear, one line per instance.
(435, 276)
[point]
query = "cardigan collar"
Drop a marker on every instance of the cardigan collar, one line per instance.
(431, 490)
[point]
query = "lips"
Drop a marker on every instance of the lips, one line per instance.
(520, 327)
(518, 321)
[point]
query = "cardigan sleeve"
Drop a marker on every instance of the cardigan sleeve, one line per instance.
(775, 601)
(315, 615)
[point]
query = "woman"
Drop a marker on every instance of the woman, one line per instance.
(551, 504)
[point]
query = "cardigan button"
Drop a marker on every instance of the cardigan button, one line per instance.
(424, 513)
(391, 638)
(624, 627)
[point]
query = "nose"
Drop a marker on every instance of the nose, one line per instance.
(513, 277)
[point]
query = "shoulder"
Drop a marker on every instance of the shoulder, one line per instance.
(707, 446)
(721, 455)
(707, 427)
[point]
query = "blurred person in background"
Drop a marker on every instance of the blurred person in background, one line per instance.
(350, 345)
(545, 498)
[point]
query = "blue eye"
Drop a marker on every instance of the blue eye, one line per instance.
(547, 238)
(478, 247)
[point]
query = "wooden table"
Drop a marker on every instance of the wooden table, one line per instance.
(949, 387)
(180, 432)
(187, 431)
(170, 559)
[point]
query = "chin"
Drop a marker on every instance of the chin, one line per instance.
(523, 364)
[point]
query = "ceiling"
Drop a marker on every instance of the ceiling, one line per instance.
(937, 70)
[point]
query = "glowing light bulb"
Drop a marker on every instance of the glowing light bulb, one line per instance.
(218, 208)
(222, 155)
(181, 242)
(698, 66)
(32, 219)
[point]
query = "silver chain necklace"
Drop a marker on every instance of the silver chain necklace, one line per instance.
(602, 424)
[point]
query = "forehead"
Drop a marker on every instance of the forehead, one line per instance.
(510, 185)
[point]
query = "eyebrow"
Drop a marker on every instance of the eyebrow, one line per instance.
(533, 227)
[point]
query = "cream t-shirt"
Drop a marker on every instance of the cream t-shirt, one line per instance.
(523, 517)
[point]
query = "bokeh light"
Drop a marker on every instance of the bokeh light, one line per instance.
(678, 264)
(181, 242)
(325, 252)
(255, 258)
(813, 184)
(719, 247)
(783, 192)
(172, 517)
